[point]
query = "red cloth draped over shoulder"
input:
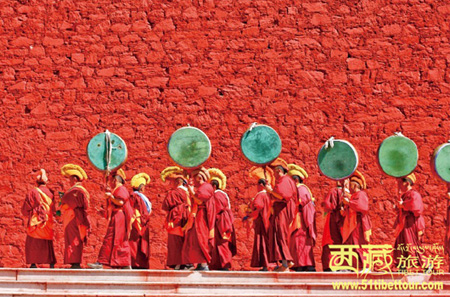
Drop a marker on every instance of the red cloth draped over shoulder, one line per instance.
(334, 220)
(261, 222)
(115, 250)
(200, 227)
(304, 236)
(409, 226)
(284, 211)
(176, 206)
(224, 234)
(74, 205)
(358, 205)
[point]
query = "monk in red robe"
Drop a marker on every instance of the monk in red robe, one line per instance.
(200, 225)
(224, 247)
(259, 212)
(283, 196)
(39, 208)
(447, 233)
(140, 231)
(74, 206)
(333, 223)
(410, 224)
(357, 227)
(177, 205)
(303, 228)
(115, 251)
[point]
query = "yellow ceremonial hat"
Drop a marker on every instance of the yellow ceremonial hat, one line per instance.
(258, 173)
(297, 170)
(217, 175)
(120, 172)
(359, 178)
(411, 177)
(173, 172)
(72, 169)
(279, 162)
(140, 179)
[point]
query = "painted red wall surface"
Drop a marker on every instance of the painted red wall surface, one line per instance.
(357, 70)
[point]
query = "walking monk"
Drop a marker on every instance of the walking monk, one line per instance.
(74, 205)
(333, 223)
(357, 227)
(140, 232)
(259, 212)
(224, 247)
(283, 196)
(115, 250)
(177, 205)
(200, 225)
(303, 228)
(39, 208)
(410, 225)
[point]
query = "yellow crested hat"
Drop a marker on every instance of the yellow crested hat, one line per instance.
(172, 172)
(297, 170)
(411, 177)
(120, 172)
(217, 175)
(359, 178)
(258, 173)
(140, 179)
(72, 169)
(279, 162)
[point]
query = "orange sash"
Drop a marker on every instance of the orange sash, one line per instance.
(42, 229)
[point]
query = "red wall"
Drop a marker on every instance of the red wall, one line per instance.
(358, 70)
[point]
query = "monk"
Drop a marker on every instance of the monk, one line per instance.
(74, 206)
(200, 225)
(177, 205)
(357, 227)
(283, 196)
(140, 231)
(115, 251)
(259, 212)
(447, 233)
(224, 247)
(303, 229)
(333, 223)
(409, 225)
(39, 208)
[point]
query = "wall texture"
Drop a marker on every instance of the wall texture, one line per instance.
(357, 70)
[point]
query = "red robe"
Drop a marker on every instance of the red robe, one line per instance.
(333, 224)
(407, 226)
(224, 234)
(140, 233)
(74, 205)
(176, 205)
(304, 236)
(356, 223)
(200, 227)
(261, 222)
(39, 210)
(115, 251)
(281, 219)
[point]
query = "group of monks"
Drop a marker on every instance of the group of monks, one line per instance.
(199, 220)
(126, 243)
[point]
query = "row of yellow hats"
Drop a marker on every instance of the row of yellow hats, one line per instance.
(137, 180)
(173, 172)
(210, 174)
